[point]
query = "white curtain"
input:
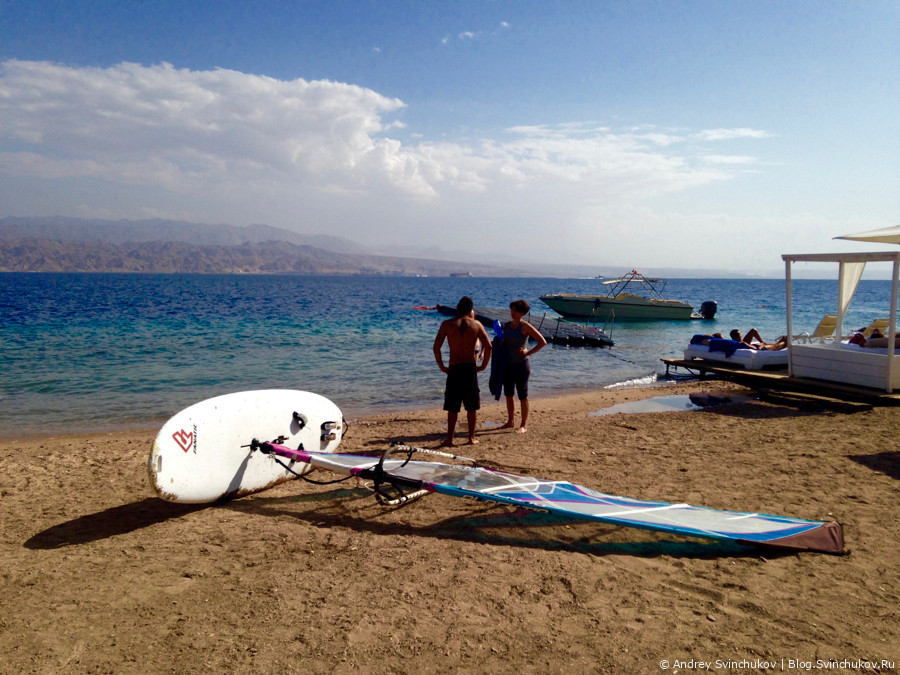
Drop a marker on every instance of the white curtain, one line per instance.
(849, 279)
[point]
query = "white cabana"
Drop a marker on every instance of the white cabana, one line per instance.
(837, 361)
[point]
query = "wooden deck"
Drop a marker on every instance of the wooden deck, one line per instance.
(779, 379)
(555, 330)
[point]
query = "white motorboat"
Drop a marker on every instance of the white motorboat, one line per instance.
(632, 297)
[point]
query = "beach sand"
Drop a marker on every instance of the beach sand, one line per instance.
(98, 575)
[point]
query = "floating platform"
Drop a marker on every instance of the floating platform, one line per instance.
(555, 330)
(780, 380)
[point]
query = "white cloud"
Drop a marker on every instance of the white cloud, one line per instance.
(730, 134)
(728, 159)
(478, 34)
(221, 145)
(198, 124)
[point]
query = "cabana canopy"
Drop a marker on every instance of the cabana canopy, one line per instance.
(886, 235)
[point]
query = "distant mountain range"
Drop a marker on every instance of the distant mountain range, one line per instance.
(164, 246)
(157, 229)
(60, 244)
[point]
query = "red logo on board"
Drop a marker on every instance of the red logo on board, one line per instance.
(185, 439)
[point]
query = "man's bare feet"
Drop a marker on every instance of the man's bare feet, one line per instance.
(474, 441)
(521, 430)
(508, 425)
(446, 443)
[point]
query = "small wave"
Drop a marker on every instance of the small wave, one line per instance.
(645, 381)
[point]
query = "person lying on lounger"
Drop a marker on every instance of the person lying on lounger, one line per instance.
(753, 334)
(877, 340)
(704, 339)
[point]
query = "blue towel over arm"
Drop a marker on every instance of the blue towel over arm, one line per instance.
(729, 347)
(498, 368)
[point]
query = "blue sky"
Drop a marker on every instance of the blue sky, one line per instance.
(631, 134)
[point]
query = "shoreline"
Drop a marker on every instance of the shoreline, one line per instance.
(101, 575)
(350, 414)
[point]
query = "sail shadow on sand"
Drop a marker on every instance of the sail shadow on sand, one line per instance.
(887, 463)
(518, 527)
(547, 531)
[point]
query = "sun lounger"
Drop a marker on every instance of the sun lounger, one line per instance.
(824, 331)
(881, 325)
(750, 359)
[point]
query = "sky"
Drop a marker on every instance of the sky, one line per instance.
(648, 134)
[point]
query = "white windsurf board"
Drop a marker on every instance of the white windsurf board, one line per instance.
(202, 454)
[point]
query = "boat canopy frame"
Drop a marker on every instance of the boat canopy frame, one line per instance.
(653, 287)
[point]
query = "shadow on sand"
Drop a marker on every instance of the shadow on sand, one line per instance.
(109, 523)
(519, 527)
(887, 463)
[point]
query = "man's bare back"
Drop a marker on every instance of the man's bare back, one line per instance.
(462, 334)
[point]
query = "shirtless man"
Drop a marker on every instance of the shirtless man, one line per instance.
(463, 334)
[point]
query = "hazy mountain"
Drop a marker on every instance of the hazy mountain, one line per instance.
(45, 255)
(163, 246)
(44, 244)
(57, 228)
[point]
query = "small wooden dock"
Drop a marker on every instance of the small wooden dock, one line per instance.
(761, 380)
(555, 330)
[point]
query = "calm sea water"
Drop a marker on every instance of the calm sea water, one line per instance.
(98, 352)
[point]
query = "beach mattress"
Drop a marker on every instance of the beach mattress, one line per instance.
(750, 359)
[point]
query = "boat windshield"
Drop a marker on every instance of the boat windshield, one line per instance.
(634, 280)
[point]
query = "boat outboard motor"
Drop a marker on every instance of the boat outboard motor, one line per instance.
(708, 309)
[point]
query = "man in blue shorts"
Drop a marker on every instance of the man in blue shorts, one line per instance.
(463, 334)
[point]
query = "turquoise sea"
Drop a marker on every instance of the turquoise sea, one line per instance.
(98, 352)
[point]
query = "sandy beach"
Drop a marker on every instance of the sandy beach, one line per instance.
(100, 576)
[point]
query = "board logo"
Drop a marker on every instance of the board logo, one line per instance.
(185, 439)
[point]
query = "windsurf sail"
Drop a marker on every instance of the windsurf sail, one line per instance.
(571, 500)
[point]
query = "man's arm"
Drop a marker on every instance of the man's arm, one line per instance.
(487, 348)
(438, 344)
